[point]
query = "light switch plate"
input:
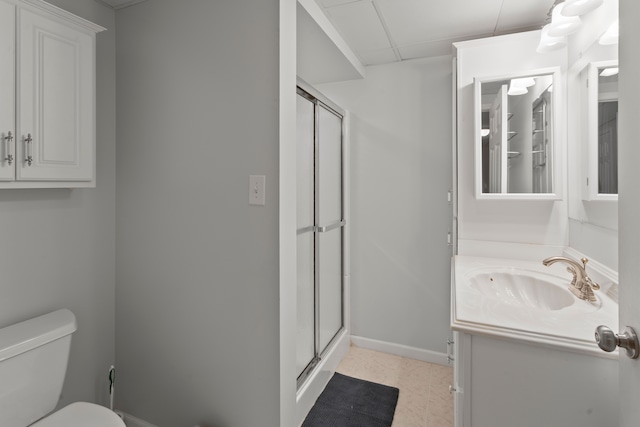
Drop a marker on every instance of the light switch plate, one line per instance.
(257, 185)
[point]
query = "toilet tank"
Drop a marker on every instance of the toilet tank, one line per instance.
(33, 363)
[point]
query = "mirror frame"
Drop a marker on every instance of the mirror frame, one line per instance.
(590, 192)
(559, 136)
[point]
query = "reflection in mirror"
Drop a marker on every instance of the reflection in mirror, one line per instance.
(516, 135)
(608, 130)
(602, 131)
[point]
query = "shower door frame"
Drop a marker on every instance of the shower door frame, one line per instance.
(319, 101)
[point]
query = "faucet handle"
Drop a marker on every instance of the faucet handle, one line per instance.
(593, 284)
(584, 262)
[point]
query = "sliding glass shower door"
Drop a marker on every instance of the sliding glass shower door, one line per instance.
(320, 225)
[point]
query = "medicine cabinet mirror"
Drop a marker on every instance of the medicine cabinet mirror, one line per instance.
(516, 137)
(601, 181)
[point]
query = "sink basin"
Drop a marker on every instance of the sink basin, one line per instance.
(522, 289)
(525, 301)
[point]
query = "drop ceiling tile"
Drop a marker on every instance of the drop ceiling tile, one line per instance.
(417, 21)
(376, 57)
(433, 48)
(518, 14)
(360, 26)
(436, 48)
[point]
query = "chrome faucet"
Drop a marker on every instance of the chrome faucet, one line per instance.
(581, 286)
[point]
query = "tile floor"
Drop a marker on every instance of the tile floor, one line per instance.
(424, 399)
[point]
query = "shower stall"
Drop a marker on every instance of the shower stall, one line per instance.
(321, 238)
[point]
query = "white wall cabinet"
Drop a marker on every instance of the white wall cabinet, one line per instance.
(47, 97)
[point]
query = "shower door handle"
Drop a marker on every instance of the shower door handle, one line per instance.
(330, 227)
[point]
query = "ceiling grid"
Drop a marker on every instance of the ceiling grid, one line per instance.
(384, 31)
(393, 44)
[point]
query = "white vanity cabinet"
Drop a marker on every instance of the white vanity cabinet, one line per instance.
(528, 360)
(460, 354)
(47, 97)
(514, 383)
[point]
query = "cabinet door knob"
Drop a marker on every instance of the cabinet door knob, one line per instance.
(28, 149)
(8, 148)
(608, 340)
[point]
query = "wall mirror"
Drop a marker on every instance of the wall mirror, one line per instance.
(601, 181)
(516, 137)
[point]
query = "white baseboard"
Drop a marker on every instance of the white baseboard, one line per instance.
(132, 421)
(401, 350)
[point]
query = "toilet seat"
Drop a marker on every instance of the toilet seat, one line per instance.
(81, 414)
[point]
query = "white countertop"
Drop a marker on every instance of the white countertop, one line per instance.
(570, 328)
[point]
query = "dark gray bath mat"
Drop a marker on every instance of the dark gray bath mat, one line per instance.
(351, 402)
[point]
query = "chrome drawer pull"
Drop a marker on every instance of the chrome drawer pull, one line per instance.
(27, 142)
(8, 148)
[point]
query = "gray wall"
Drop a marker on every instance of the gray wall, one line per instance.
(401, 170)
(197, 301)
(58, 246)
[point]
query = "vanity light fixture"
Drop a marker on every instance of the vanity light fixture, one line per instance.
(608, 72)
(549, 43)
(517, 90)
(580, 7)
(517, 87)
(524, 81)
(562, 25)
(611, 35)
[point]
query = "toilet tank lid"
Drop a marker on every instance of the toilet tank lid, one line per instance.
(81, 414)
(32, 333)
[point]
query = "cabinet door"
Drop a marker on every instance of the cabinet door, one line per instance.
(56, 120)
(7, 89)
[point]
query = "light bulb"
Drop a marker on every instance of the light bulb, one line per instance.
(563, 25)
(524, 81)
(516, 88)
(611, 35)
(608, 72)
(580, 7)
(548, 43)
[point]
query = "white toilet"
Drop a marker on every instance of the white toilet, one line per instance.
(33, 364)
